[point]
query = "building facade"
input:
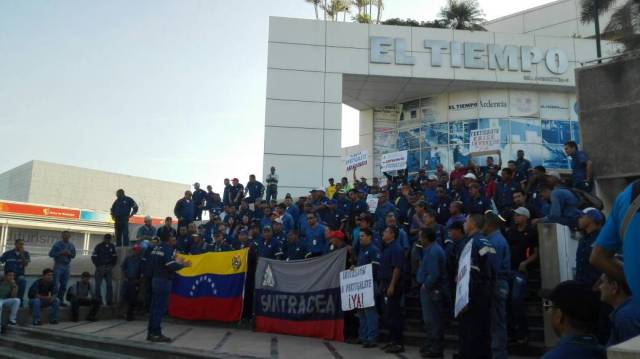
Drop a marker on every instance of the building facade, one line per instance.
(417, 89)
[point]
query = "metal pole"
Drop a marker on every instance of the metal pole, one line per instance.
(596, 20)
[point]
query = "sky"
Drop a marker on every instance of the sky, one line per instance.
(165, 89)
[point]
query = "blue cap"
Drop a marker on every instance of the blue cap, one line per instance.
(594, 214)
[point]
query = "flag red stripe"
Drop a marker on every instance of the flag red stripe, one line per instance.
(325, 329)
(206, 308)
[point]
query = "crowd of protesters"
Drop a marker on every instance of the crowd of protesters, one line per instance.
(413, 236)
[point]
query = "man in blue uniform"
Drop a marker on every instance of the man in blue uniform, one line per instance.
(214, 203)
(219, 244)
(563, 207)
(475, 322)
(433, 292)
(442, 205)
(166, 229)
(183, 240)
(132, 279)
(123, 208)
(505, 189)
(267, 247)
(164, 264)
(590, 223)
(226, 194)
(184, 210)
(492, 225)
(147, 231)
(315, 236)
(255, 189)
(581, 166)
(236, 193)
(574, 311)
(42, 294)
(368, 254)
(62, 253)
(199, 201)
(15, 261)
(104, 257)
(625, 318)
(392, 285)
(523, 165)
(384, 207)
(476, 203)
(293, 248)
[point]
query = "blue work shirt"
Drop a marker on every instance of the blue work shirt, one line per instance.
(164, 230)
(183, 243)
(585, 272)
(146, 232)
(563, 208)
(611, 239)
(316, 241)
(58, 248)
(483, 263)
(370, 255)
(163, 261)
(355, 245)
(223, 246)
(15, 262)
(123, 207)
(430, 197)
(358, 207)
(503, 254)
(504, 194)
(294, 211)
(381, 214)
(199, 196)
(265, 221)
(255, 190)
(147, 268)
(442, 211)
(234, 192)
(294, 251)
(132, 267)
(625, 322)
(522, 168)
(200, 248)
(184, 210)
(271, 250)
(288, 222)
(577, 346)
(477, 205)
(392, 257)
(104, 254)
(433, 268)
(579, 167)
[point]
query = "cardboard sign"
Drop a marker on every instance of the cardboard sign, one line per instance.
(356, 288)
(394, 161)
(485, 140)
(464, 276)
(357, 159)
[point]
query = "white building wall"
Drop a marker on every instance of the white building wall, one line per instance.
(76, 187)
(15, 184)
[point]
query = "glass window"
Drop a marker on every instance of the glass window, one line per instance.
(575, 131)
(556, 132)
(502, 124)
(554, 156)
(436, 134)
(460, 131)
(525, 131)
(410, 111)
(409, 139)
(384, 142)
(413, 161)
(432, 156)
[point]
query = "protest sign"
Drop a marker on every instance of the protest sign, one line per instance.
(484, 141)
(356, 288)
(462, 288)
(357, 159)
(394, 161)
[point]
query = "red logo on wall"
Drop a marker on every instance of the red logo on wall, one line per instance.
(39, 211)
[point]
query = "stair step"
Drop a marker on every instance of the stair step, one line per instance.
(10, 353)
(54, 349)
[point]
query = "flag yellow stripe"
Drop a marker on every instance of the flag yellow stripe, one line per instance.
(221, 263)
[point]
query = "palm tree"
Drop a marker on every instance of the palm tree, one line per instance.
(361, 5)
(462, 15)
(379, 6)
(334, 8)
(315, 3)
(624, 25)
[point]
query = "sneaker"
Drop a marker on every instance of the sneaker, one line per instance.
(53, 322)
(12, 322)
(369, 345)
(395, 349)
(37, 323)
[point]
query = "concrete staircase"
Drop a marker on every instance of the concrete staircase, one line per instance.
(36, 343)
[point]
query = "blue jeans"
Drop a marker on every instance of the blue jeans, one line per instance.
(60, 280)
(271, 194)
(21, 282)
(104, 273)
(36, 304)
(432, 303)
(14, 304)
(519, 324)
(368, 329)
(499, 319)
(160, 290)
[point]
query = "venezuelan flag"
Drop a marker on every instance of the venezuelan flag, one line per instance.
(212, 288)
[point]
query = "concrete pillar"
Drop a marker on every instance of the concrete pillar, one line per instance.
(4, 237)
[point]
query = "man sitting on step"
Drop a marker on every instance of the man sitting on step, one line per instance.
(81, 294)
(42, 294)
(8, 292)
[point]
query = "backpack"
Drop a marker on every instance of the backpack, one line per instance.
(586, 200)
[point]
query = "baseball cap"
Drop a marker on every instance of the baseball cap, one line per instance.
(470, 176)
(577, 300)
(336, 234)
(594, 214)
(521, 211)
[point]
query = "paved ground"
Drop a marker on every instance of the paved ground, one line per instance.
(234, 341)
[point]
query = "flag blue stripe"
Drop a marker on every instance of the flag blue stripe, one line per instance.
(209, 285)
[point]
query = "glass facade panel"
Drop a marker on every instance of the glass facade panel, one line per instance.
(502, 124)
(436, 134)
(460, 131)
(525, 131)
(554, 157)
(556, 132)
